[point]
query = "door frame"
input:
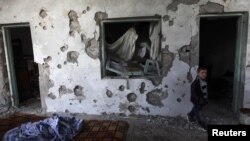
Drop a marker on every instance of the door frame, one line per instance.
(10, 60)
(240, 54)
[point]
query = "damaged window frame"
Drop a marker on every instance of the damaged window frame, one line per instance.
(103, 52)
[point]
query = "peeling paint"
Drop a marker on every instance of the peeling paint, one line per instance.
(156, 81)
(165, 18)
(72, 56)
(167, 60)
(92, 48)
(73, 23)
(123, 107)
(188, 53)
(99, 16)
(52, 96)
(211, 7)
(174, 5)
(156, 96)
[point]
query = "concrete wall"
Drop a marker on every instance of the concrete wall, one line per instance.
(74, 84)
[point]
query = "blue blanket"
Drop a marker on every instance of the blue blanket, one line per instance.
(55, 128)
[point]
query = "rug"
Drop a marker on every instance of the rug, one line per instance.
(92, 130)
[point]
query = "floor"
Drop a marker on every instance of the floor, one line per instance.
(155, 128)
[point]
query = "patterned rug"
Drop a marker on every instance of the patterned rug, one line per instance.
(92, 130)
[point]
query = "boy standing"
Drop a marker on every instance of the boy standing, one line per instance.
(199, 96)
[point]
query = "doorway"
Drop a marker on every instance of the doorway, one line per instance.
(22, 70)
(217, 54)
(222, 52)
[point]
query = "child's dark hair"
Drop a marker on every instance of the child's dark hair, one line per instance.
(201, 68)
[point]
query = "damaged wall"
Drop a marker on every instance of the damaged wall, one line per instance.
(65, 38)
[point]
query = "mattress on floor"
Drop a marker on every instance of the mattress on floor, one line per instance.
(92, 130)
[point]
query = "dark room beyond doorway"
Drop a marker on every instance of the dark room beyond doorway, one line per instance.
(26, 70)
(218, 38)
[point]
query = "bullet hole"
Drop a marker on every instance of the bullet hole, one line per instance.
(184, 81)
(73, 23)
(44, 28)
(84, 39)
(146, 109)
(99, 16)
(142, 88)
(51, 83)
(64, 48)
(40, 24)
(14, 16)
(52, 96)
(84, 11)
(156, 96)
(109, 93)
(43, 13)
(171, 22)
(179, 100)
(52, 26)
(121, 88)
(95, 100)
(46, 60)
(78, 90)
(59, 66)
(63, 90)
(183, 95)
(70, 103)
(72, 57)
(88, 8)
(173, 90)
(164, 39)
(131, 108)
(66, 111)
(65, 62)
(165, 18)
(166, 86)
(131, 97)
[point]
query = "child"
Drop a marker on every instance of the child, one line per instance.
(199, 96)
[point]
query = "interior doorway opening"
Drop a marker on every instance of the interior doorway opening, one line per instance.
(222, 50)
(218, 41)
(22, 70)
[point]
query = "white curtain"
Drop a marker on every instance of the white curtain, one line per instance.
(154, 35)
(124, 47)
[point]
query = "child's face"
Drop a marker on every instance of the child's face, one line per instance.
(202, 74)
